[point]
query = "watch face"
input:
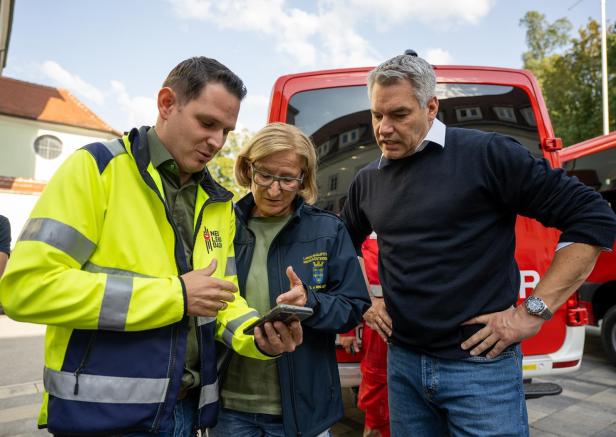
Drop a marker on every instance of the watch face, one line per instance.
(534, 305)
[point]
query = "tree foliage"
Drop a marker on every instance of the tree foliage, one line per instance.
(221, 167)
(571, 78)
(543, 40)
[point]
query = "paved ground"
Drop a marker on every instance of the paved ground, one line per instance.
(21, 368)
(587, 406)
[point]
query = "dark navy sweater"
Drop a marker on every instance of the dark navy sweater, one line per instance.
(445, 220)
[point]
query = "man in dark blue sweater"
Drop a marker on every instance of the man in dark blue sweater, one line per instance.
(443, 202)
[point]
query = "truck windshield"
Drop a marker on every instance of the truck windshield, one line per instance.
(338, 122)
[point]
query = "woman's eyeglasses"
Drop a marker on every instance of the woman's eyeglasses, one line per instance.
(265, 180)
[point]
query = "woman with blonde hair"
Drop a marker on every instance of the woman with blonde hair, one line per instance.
(284, 243)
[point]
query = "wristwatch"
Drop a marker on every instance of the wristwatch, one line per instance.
(535, 306)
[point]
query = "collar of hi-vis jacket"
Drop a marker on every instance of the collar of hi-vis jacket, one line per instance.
(137, 140)
(244, 207)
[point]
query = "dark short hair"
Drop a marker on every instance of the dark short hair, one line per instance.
(189, 77)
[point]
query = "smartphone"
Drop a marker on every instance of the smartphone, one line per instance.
(284, 313)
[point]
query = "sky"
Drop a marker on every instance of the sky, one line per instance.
(114, 54)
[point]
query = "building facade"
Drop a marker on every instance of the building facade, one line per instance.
(40, 127)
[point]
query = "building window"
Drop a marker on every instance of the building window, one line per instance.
(529, 116)
(505, 113)
(323, 150)
(48, 146)
(466, 114)
(349, 137)
(333, 182)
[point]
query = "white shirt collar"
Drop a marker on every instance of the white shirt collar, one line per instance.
(436, 134)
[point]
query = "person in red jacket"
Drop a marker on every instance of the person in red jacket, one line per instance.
(372, 397)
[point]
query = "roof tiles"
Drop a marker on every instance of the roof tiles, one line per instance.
(49, 104)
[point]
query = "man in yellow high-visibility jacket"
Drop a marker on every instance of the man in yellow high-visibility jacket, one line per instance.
(128, 258)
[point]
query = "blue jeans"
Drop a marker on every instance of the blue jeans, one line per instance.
(184, 415)
(232, 423)
(476, 396)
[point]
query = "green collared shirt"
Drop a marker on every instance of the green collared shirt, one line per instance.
(181, 201)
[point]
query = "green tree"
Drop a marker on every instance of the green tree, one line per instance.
(571, 80)
(221, 167)
(543, 40)
(573, 88)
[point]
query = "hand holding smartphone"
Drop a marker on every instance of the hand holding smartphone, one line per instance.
(283, 313)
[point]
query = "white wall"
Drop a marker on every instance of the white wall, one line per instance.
(16, 152)
(16, 207)
(17, 157)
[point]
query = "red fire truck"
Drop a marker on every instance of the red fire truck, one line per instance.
(333, 108)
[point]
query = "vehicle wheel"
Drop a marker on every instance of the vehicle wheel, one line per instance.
(608, 334)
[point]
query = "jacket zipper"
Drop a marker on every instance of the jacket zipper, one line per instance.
(172, 359)
(83, 362)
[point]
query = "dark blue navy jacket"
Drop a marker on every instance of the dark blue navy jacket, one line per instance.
(317, 245)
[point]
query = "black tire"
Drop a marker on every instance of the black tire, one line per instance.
(608, 334)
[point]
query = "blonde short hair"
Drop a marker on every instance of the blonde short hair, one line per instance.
(274, 138)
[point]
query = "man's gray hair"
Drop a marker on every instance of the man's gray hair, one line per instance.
(406, 67)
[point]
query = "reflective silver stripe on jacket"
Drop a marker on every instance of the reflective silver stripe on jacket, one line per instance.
(376, 290)
(209, 394)
(231, 269)
(95, 268)
(105, 389)
(59, 235)
(114, 309)
(227, 335)
(205, 320)
(114, 146)
(118, 292)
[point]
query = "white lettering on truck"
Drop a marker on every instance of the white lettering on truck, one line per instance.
(528, 281)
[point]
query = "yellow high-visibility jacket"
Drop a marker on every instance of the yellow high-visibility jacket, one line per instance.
(99, 262)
